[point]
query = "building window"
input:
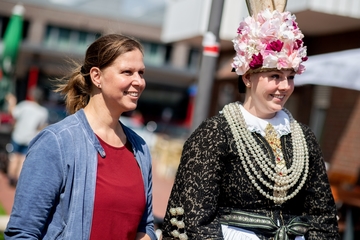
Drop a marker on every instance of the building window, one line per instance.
(66, 39)
(154, 53)
(157, 98)
(194, 59)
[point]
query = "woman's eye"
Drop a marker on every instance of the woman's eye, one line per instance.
(275, 76)
(291, 77)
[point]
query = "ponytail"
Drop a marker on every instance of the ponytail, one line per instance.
(76, 88)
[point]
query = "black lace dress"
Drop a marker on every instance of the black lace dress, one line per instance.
(211, 180)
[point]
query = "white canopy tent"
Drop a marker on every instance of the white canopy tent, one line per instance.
(336, 69)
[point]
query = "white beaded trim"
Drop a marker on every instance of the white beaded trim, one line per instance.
(245, 142)
(175, 213)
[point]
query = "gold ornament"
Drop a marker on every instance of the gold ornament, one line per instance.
(256, 6)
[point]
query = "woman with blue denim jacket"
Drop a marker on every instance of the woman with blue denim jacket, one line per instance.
(89, 176)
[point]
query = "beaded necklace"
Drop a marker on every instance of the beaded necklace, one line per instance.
(246, 142)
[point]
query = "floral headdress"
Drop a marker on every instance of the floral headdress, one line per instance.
(269, 40)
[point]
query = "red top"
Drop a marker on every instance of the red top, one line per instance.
(119, 195)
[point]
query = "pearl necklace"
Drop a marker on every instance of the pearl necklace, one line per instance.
(245, 142)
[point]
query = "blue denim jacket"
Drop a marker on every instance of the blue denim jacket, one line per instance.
(55, 193)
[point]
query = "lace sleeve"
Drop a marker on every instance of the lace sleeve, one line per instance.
(197, 186)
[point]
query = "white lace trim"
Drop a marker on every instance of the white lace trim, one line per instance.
(280, 122)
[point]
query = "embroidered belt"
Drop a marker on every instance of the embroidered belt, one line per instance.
(265, 225)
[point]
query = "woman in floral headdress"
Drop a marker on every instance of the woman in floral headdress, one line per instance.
(253, 171)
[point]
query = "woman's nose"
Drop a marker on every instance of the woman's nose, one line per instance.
(139, 79)
(285, 84)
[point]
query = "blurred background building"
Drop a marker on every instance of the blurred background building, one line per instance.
(327, 96)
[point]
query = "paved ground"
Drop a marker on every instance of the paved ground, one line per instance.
(6, 199)
(6, 193)
(161, 191)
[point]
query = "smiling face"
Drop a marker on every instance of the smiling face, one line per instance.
(123, 82)
(267, 92)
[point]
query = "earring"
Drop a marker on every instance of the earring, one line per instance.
(98, 86)
(248, 84)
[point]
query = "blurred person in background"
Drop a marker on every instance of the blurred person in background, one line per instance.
(30, 117)
(253, 171)
(89, 176)
(137, 118)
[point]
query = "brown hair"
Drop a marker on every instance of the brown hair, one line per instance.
(77, 86)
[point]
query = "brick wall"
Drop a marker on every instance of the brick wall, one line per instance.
(341, 139)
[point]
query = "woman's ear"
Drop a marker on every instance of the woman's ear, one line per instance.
(246, 79)
(95, 75)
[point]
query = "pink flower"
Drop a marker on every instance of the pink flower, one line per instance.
(275, 46)
(297, 44)
(257, 61)
(282, 63)
(301, 69)
(295, 25)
